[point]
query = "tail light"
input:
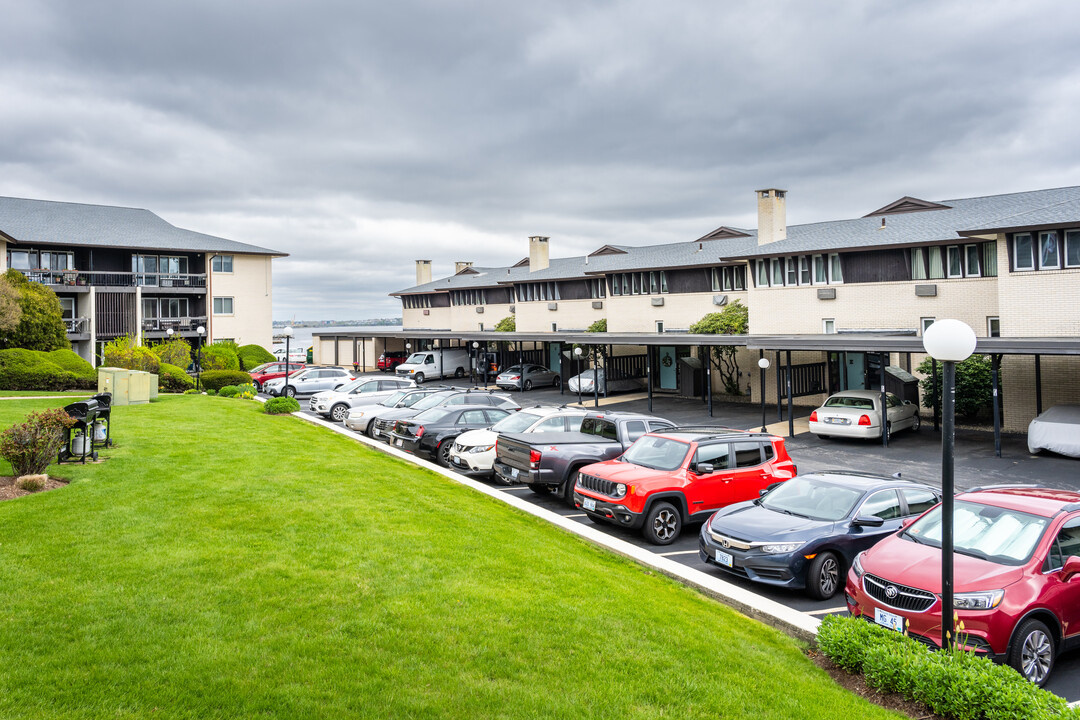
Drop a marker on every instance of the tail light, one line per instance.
(515, 377)
(813, 416)
(420, 432)
(534, 459)
(864, 420)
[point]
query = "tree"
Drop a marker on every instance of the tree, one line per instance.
(10, 310)
(174, 352)
(41, 323)
(507, 324)
(974, 385)
(122, 352)
(732, 320)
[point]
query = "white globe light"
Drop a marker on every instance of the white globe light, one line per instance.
(763, 363)
(201, 330)
(287, 332)
(577, 351)
(949, 341)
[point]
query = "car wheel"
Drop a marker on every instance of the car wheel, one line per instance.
(823, 577)
(258, 387)
(567, 491)
(1032, 653)
(542, 490)
(459, 373)
(556, 382)
(290, 391)
(662, 525)
(442, 455)
(528, 385)
(916, 422)
(824, 437)
(418, 378)
(339, 412)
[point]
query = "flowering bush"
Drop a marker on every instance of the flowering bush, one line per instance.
(31, 445)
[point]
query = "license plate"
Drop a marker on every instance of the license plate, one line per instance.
(838, 421)
(588, 504)
(889, 620)
(723, 558)
(514, 473)
(397, 442)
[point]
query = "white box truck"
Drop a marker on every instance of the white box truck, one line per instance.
(428, 364)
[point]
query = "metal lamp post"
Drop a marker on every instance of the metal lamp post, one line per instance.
(577, 357)
(949, 341)
(198, 358)
(475, 370)
(764, 364)
(288, 333)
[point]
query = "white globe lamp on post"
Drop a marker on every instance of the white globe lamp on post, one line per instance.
(198, 357)
(950, 342)
(288, 333)
(577, 357)
(763, 363)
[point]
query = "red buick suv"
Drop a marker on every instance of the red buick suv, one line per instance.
(1016, 572)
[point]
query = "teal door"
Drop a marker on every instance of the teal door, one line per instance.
(669, 370)
(854, 375)
(555, 357)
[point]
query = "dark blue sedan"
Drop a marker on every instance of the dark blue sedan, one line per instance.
(805, 533)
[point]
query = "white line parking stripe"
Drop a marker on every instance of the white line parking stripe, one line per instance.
(678, 552)
(828, 611)
(512, 488)
(575, 515)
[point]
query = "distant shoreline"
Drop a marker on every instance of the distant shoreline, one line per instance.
(376, 322)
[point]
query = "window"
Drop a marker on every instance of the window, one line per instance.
(989, 266)
(625, 284)
(918, 501)
(145, 264)
(635, 286)
(223, 306)
(634, 430)
(820, 276)
(472, 417)
(597, 288)
(222, 263)
(1072, 248)
(993, 327)
(734, 277)
(57, 261)
(663, 281)
(792, 271)
(22, 259)
(716, 282)
(719, 456)
(555, 424)
(918, 264)
(971, 261)
(659, 326)
(762, 274)
(554, 327)
(777, 272)
(836, 274)
(494, 415)
(884, 504)
(746, 454)
(654, 286)
(1049, 259)
(1066, 545)
(828, 326)
(1023, 252)
(616, 288)
(956, 269)
(925, 323)
(937, 268)
(67, 308)
(804, 270)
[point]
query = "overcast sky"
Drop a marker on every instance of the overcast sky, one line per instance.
(360, 136)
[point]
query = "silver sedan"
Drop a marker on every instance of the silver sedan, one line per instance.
(527, 376)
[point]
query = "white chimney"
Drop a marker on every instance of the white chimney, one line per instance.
(423, 272)
(461, 265)
(538, 252)
(771, 216)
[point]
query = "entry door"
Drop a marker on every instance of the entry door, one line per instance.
(555, 357)
(854, 375)
(669, 369)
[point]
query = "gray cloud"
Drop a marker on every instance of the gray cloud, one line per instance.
(358, 137)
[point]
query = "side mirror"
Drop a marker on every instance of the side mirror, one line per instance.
(703, 469)
(907, 522)
(867, 521)
(762, 492)
(1071, 569)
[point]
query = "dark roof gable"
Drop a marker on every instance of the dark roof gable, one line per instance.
(723, 233)
(607, 250)
(907, 204)
(523, 262)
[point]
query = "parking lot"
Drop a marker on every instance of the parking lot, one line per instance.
(917, 456)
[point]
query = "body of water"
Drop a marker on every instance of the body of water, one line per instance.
(302, 336)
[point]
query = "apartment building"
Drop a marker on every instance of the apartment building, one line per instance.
(126, 271)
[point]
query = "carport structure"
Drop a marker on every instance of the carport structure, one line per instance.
(791, 380)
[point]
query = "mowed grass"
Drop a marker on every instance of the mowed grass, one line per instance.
(227, 564)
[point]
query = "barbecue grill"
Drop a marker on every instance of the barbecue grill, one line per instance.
(80, 442)
(104, 417)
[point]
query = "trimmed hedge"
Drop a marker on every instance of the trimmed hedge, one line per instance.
(952, 683)
(85, 373)
(281, 406)
(252, 356)
(33, 370)
(174, 379)
(219, 356)
(217, 379)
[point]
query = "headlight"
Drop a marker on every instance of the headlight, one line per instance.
(620, 490)
(780, 548)
(856, 565)
(480, 448)
(356, 413)
(986, 600)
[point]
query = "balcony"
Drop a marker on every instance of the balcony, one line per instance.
(94, 278)
(77, 328)
(158, 327)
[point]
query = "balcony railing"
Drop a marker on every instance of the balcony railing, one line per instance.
(116, 279)
(182, 324)
(77, 326)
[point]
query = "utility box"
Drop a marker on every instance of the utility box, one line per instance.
(116, 381)
(139, 387)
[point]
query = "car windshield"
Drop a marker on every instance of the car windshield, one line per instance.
(416, 358)
(430, 401)
(657, 453)
(393, 399)
(262, 368)
(350, 386)
(518, 422)
(848, 401)
(984, 531)
(432, 416)
(812, 497)
(513, 369)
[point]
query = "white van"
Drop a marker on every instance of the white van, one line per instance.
(428, 364)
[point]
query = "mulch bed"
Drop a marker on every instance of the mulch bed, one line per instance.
(8, 490)
(856, 684)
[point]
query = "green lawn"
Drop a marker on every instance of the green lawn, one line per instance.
(48, 393)
(227, 564)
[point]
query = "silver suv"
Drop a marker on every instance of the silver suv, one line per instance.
(309, 381)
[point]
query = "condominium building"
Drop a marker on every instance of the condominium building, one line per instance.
(126, 271)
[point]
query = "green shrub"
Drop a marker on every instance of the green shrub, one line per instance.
(33, 370)
(281, 406)
(974, 385)
(31, 445)
(251, 356)
(174, 352)
(952, 683)
(30, 483)
(247, 392)
(217, 379)
(174, 379)
(122, 352)
(229, 391)
(85, 373)
(191, 391)
(219, 356)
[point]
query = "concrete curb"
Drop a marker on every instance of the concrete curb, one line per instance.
(792, 622)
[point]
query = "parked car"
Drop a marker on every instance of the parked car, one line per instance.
(388, 361)
(296, 354)
(1016, 590)
(526, 376)
(308, 381)
(473, 452)
(431, 364)
(550, 464)
(359, 416)
(433, 431)
(383, 421)
(857, 414)
(364, 390)
(584, 383)
(1056, 430)
(270, 371)
(805, 533)
(673, 477)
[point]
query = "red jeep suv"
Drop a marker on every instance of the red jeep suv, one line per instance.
(673, 477)
(271, 370)
(1016, 581)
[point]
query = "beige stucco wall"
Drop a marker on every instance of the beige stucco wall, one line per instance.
(636, 313)
(250, 287)
(464, 318)
(569, 314)
(3, 256)
(415, 319)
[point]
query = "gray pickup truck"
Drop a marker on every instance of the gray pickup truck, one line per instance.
(549, 463)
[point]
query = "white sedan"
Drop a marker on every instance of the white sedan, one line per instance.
(857, 414)
(473, 452)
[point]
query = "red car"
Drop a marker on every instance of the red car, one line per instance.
(1016, 579)
(667, 479)
(271, 370)
(390, 360)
